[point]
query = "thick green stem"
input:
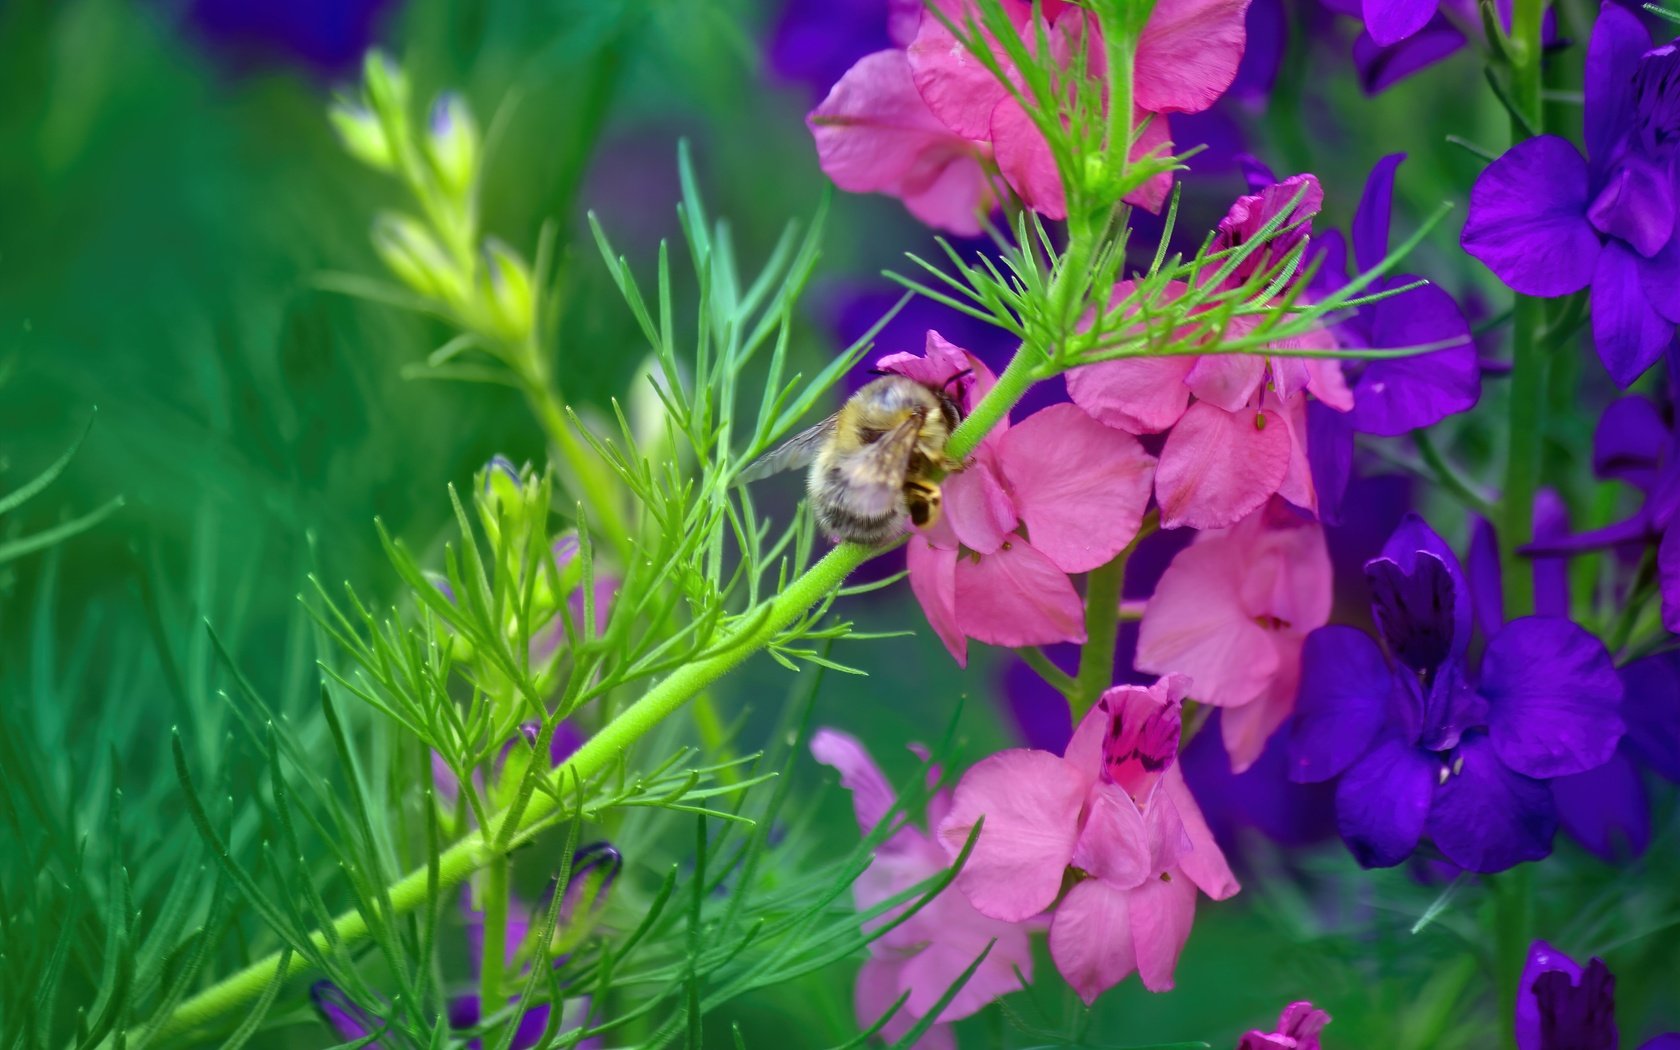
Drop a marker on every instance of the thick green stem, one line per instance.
(1102, 632)
(1513, 907)
(495, 907)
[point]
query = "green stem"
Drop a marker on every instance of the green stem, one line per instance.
(1053, 676)
(1513, 906)
(495, 908)
(1528, 376)
(1102, 632)
(992, 409)
(585, 476)
(1450, 476)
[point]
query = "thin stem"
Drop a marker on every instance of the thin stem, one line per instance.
(1011, 385)
(584, 476)
(1450, 477)
(495, 908)
(1102, 632)
(1053, 676)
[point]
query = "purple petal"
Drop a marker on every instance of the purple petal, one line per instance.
(1330, 458)
(1629, 442)
(1380, 68)
(1551, 575)
(1389, 21)
(345, 1017)
(1412, 542)
(1659, 276)
(1542, 958)
(1397, 395)
(1486, 817)
(1382, 803)
(1414, 610)
(1628, 331)
(1370, 219)
(1486, 579)
(1577, 1015)
(1636, 205)
(1605, 809)
(1618, 39)
(1651, 707)
(1343, 703)
(1668, 575)
(1528, 219)
(1267, 26)
(1553, 697)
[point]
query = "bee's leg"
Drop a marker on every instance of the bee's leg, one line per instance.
(922, 500)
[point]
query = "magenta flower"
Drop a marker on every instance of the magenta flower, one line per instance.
(929, 951)
(1549, 222)
(1078, 488)
(1111, 816)
(1297, 1029)
(1232, 612)
(1237, 421)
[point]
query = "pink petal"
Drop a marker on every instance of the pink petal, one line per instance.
(1197, 625)
(941, 365)
(1080, 486)
(1025, 161)
(979, 510)
(874, 134)
(1227, 380)
(1246, 729)
(879, 984)
(1154, 193)
(932, 971)
(872, 796)
(1143, 734)
(1091, 938)
(1289, 579)
(1030, 801)
(1217, 466)
(1188, 53)
(953, 199)
(1114, 843)
(1162, 911)
(957, 86)
(934, 583)
(1017, 597)
(1297, 484)
(1087, 746)
(1204, 862)
(1142, 395)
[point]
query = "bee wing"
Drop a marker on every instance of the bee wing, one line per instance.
(874, 476)
(796, 452)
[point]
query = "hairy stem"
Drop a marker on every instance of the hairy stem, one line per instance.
(495, 908)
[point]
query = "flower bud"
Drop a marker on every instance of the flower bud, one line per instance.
(387, 86)
(648, 413)
(512, 305)
(594, 869)
(362, 135)
(452, 143)
(410, 252)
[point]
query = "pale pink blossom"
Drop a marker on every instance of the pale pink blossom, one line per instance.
(1237, 421)
(1297, 1029)
(929, 951)
(1077, 488)
(1232, 612)
(1113, 815)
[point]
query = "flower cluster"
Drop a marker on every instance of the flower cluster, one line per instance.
(928, 122)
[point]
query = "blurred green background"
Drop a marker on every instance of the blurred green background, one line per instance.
(169, 191)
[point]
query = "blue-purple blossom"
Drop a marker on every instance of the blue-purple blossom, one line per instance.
(1425, 743)
(1394, 395)
(328, 36)
(1562, 1005)
(1550, 222)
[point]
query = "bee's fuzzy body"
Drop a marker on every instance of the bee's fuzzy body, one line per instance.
(879, 465)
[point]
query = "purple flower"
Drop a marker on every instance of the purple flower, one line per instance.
(1384, 60)
(1424, 742)
(1396, 395)
(1549, 222)
(328, 36)
(1563, 1006)
(1635, 444)
(815, 41)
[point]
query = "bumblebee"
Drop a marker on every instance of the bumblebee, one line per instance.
(876, 462)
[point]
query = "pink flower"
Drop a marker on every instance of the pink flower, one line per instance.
(1232, 612)
(1112, 814)
(1237, 421)
(874, 134)
(1186, 58)
(926, 954)
(1078, 488)
(1297, 1029)
(928, 123)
